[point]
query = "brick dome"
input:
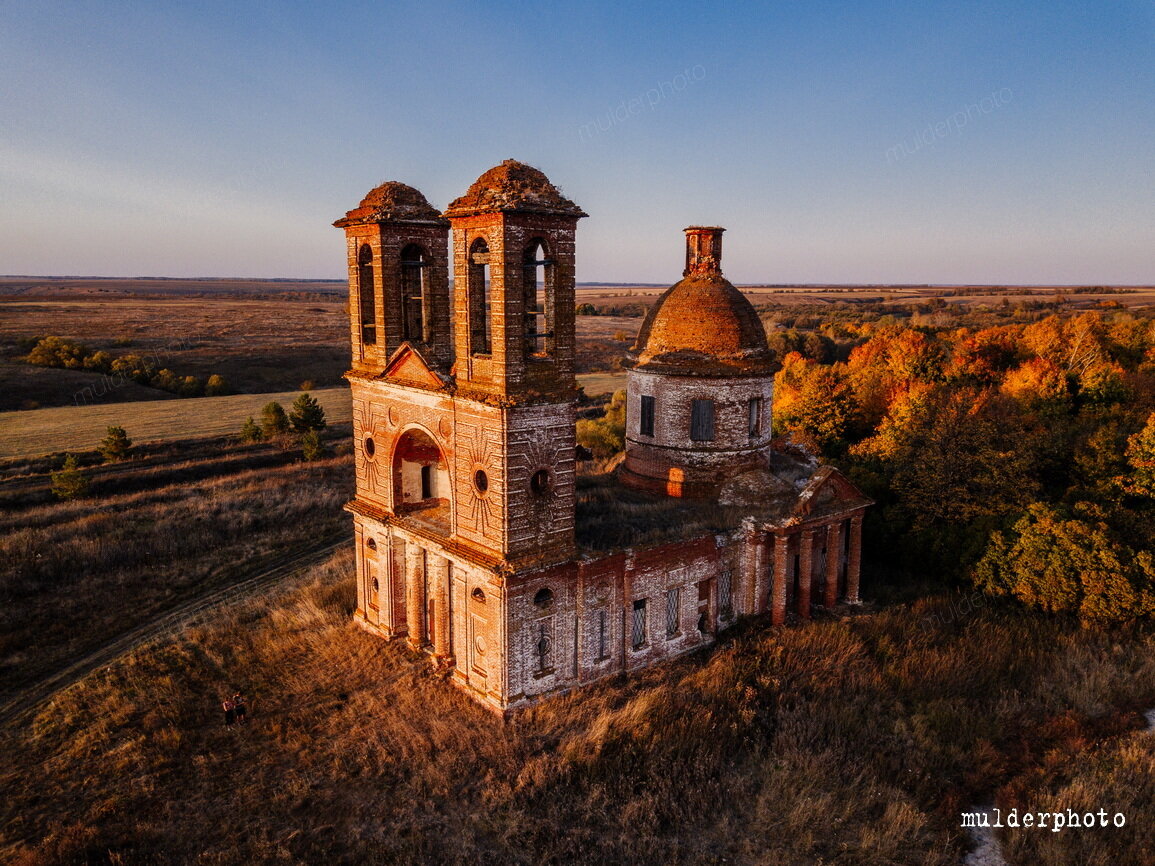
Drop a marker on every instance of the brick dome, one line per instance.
(391, 202)
(703, 325)
(513, 186)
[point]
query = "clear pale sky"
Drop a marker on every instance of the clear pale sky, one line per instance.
(868, 141)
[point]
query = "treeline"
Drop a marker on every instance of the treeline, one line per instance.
(143, 369)
(631, 310)
(1020, 456)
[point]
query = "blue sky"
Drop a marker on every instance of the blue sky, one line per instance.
(868, 141)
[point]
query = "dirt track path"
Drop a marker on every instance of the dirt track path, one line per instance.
(16, 703)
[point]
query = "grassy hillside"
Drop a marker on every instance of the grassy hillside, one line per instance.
(854, 742)
(80, 428)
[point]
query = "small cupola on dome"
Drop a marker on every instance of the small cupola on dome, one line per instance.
(513, 186)
(392, 202)
(702, 325)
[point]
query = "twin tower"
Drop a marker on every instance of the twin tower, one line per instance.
(463, 423)
(463, 409)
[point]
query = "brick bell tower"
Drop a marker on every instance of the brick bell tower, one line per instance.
(463, 411)
(513, 252)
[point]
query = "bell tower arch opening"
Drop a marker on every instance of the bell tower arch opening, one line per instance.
(478, 285)
(366, 295)
(540, 293)
(415, 297)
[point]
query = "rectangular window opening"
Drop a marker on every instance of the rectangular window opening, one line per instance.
(755, 419)
(646, 426)
(702, 420)
(672, 612)
(638, 633)
(602, 636)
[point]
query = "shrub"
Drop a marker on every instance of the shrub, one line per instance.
(274, 421)
(216, 386)
(191, 386)
(58, 352)
(69, 482)
(251, 432)
(605, 436)
(116, 445)
(312, 448)
(306, 414)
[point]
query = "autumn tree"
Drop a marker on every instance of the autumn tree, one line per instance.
(954, 454)
(1069, 563)
(1141, 457)
(216, 386)
(605, 436)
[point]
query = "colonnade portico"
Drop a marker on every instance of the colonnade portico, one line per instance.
(799, 551)
(427, 614)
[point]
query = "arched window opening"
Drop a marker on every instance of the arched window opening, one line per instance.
(480, 337)
(365, 294)
(420, 478)
(478, 595)
(538, 286)
(414, 293)
(544, 598)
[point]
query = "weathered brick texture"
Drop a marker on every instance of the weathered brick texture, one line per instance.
(463, 427)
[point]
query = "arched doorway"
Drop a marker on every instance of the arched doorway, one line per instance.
(421, 485)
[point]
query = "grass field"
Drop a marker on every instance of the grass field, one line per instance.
(851, 741)
(80, 428)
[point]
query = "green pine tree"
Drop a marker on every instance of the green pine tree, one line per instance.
(312, 448)
(251, 432)
(116, 445)
(69, 482)
(307, 414)
(274, 421)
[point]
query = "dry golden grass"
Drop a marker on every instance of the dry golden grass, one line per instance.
(80, 428)
(74, 575)
(856, 742)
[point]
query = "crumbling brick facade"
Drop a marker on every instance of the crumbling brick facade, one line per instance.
(464, 435)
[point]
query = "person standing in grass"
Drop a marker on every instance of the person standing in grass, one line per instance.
(239, 707)
(230, 712)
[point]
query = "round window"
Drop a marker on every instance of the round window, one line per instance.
(481, 481)
(539, 482)
(370, 448)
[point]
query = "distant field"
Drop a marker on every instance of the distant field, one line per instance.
(1128, 296)
(80, 428)
(602, 383)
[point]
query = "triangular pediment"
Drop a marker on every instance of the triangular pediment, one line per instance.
(407, 367)
(828, 490)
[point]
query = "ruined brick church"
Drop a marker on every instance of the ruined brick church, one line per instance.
(477, 537)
